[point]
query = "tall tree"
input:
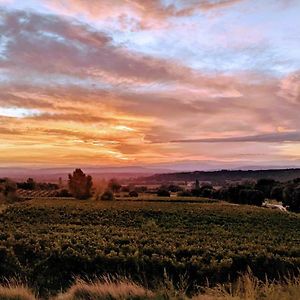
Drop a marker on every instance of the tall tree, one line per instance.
(80, 184)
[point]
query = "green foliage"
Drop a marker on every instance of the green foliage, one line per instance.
(50, 242)
(80, 185)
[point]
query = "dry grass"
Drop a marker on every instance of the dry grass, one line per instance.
(247, 287)
(16, 292)
(105, 289)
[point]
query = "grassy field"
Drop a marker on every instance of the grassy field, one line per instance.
(47, 243)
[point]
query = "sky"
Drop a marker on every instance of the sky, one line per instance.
(189, 83)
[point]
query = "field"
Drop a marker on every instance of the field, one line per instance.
(47, 243)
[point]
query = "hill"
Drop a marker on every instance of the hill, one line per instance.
(223, 176)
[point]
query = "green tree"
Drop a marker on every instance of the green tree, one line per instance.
(80, 184)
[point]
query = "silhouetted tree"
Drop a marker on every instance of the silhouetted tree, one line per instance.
(265, 185)
(251, 197)
(114, 185)
(30, 184)
(277, 193)
(291, 197)
(80, 184)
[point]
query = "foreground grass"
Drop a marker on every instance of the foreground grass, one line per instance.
(247, 287)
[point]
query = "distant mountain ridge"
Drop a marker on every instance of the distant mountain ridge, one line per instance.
(220, 177)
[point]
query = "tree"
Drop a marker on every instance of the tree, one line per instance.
(265, 185)
(8, 190)
(251, 197)
(80, 185)
(114, 185)
(291, 197)
(197, 184)
(30, 184)
(277, 193)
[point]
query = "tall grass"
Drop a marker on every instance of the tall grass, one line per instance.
(16, 292)
(106, 289)
(247, 287)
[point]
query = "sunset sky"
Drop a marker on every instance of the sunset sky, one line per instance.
(212, 83)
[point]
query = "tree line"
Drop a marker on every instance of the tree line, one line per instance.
(80, 186)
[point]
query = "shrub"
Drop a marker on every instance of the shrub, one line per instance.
(277, 193)
(185, 194)
(133, 194)
(265, 185)
(163, 193)
(107, 196)
(291, 198)
(206, 192)
(64, 193)
(196, 192)
(251, 197)
(174, 188)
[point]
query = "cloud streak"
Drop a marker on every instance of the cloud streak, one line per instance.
(278, 137)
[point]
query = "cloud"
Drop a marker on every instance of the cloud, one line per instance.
(278, 137)
(135, 14)
(77, 52)
(102, 102)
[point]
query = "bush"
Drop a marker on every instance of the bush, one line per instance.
(174, 188)
(64, 193)
(291, 198)
(277, 193)
(185, 194)
(163, 193)
(265, 185)
(196, 192)
(133, 194)
(107, 196)
(251, 197)
(207, 192)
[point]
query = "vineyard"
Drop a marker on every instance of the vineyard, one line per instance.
(47, 243)
(30, 194)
